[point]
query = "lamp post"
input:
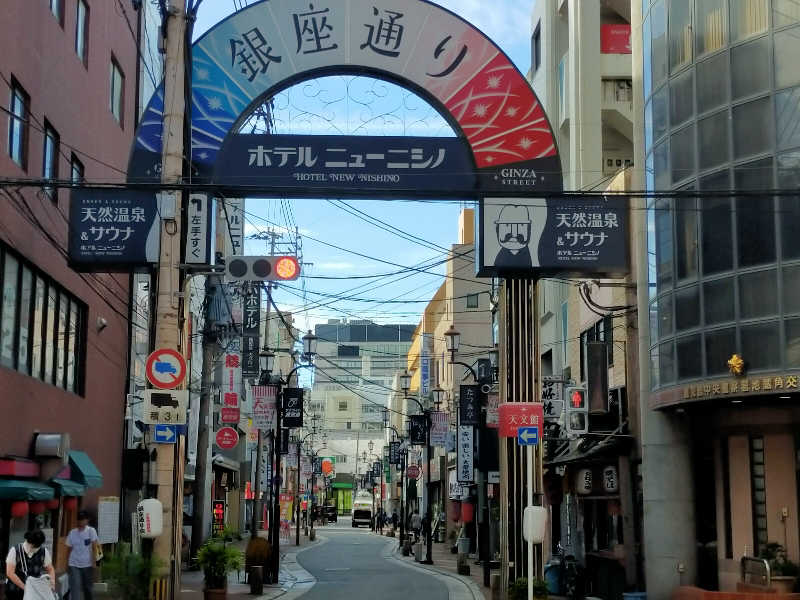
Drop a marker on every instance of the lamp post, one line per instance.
(402, 451)
(267, 357)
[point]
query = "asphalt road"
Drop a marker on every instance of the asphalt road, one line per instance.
(351, 565)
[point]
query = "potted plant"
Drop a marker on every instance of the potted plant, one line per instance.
(518, 590)
(129, 575)
(783, 572)
(217, 560)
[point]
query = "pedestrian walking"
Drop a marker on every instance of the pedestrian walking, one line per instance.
(395, 520)
(28, 560)
(82, 544)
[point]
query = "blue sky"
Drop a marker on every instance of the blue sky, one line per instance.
(320, 221)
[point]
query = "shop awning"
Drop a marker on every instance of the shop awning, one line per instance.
(24, 489)
(613, 445)
(342, 486)
(85, 470)
(225, 463)
(67, 487)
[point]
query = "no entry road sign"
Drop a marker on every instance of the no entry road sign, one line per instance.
(165, 369)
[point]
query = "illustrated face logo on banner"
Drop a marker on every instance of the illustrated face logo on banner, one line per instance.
(292, 407)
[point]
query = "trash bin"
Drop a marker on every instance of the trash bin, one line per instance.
(418, 552)
(552, 576)
(257, 580)
(463, 545)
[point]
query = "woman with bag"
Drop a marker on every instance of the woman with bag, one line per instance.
(25, 560)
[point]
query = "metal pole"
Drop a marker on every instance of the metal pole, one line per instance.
(529, 466)
(402, 497)
(428, 511)
(276, 505)
(297, 496)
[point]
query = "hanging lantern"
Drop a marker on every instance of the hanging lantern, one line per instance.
(19, 509)
(610, 479)
(71, 503)
(37, 508)
(467, 512)
(583, 482)
(52, 504)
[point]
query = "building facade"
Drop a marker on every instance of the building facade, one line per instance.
(68, 80)
(716, 101)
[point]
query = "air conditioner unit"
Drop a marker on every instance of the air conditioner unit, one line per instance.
(51, 444)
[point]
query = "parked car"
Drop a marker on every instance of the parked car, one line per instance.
(330, 514)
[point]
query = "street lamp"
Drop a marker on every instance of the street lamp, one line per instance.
(438, 396)
(266, 359)
(405, 382)
(371, 445)
(310, 342)
(452, 339)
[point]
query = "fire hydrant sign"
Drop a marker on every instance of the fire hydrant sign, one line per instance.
(514, 415)
(165, 369)
(227, 438)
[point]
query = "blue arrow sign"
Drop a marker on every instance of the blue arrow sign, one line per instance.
(165, 434)
(528, 436)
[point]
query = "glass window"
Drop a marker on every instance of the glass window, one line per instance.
(473, 301)
(655, 375)
(116, 91)
(761, 346)
(37, 343)
(665, 322)
(792, 342)
(681, 98)
(787, 113)
(664, 249)
(76, 170)
(9, 310)
(712, 133)
(57, 8)
(49, 347)
(647, 74)
(787, 49)
(50, 152)
(661, 166)
(26, 294)
(716, 226)
(658, 17)
(682, 154)
(789, 178)
(755, 215)
(536, 48)
(61, 342)
(686, 237)
(687, 308)
(710, 26)
(720, 344)
(666, 353)
(82, 31)
(750, 68)
(791, 289)
(653, 321)
(758, 294)
(785, 12)
(712, 82)
(748, 17)
(680, 34)
(648, 125)
(18, 126)
(718, 301)
(690, 360)
(660, 106)
(752, 133)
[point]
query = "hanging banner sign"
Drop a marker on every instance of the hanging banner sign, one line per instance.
(264, 410)
(284, 441)
(292, 407)
(232, 214)
(533, 237)
(317, 465)
(493, 410)
(229, 415)
(439, 425)
(426, 341)
(251, 326)
(328, 465)
(198, 230)
(113, 229)
(416, 429)
(395, 456)
(465, 470)
(552, 398)
(231, 377)
(469, 407)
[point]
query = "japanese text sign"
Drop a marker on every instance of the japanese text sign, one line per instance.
(465, 470)
(527, 236)
(264, 409)
(417, 424)
(469, 406)
(395, 457)
(251, 325)
(164, 406)
(552, 398)
(231, 378)
(514, 415)
(198, 230)
(112, 229)
(439, 425)
(493, 410)
(292, 407)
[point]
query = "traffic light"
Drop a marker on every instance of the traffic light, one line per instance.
(577, 411)
(261, 268)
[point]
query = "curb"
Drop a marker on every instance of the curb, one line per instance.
(294, 582)
(467, 582)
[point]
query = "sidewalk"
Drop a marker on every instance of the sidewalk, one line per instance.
(291, 575)
(445, 562)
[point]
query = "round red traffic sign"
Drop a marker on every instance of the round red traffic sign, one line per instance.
(412, 471)
(165, 369)
(227, 438)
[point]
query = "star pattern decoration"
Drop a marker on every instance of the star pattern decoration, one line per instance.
(480, 110)
(494, 81)
(512, 111)
(203, 74)
(203, 155)
(214, 103)
(525, 143)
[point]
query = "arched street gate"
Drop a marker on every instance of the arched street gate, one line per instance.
(504, 156)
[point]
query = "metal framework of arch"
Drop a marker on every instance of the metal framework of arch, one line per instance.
(272, 44)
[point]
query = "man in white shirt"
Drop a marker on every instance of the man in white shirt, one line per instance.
(82, 544)
(28, 559)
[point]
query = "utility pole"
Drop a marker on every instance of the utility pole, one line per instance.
(169, 461)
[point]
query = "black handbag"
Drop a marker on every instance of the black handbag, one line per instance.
(12, 591)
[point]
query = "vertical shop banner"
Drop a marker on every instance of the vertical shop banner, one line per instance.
(305, 469)
(439, 425)
(198, 234)
(426, 341)
(232, 212)
(292, 407)
(552, 398)
(264, 409)
(387, 470)
(251, 325)
(416, 429)
(493, 410)
(286, 506)
(395, 456)
(231, 377)
(466, 460)
(469, 408)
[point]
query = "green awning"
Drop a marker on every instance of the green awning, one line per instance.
(85, 470)
(342, 486)
(24, 489)
(67, 487)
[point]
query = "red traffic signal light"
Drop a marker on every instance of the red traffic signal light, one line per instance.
(577, 399)
(261, 268)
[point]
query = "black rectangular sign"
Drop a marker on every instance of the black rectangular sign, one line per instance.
(469, 407)
(394, 453)
(292, 407)
(251, 317)
(416, 429)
